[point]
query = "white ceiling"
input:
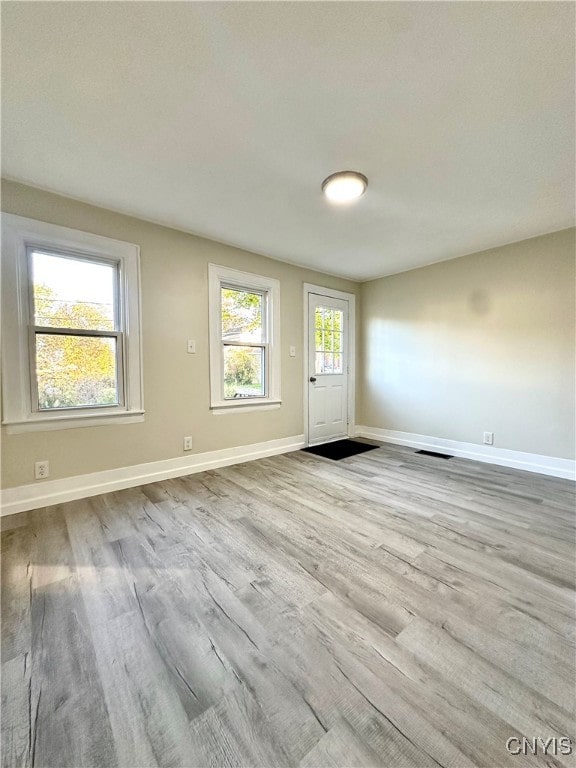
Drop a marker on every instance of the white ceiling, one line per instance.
(224, 118)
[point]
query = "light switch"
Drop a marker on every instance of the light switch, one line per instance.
(191, 347)
(292, 351)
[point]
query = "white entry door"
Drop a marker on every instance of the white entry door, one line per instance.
(328, 368)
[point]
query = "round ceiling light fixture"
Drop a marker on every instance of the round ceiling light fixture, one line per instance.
(344, 186)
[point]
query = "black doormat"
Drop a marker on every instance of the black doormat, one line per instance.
(340, 449)
(438, 455)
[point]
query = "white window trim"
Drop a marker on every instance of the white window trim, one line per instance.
(19, 234)
(217, 276)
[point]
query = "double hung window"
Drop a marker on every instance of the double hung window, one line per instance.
(244, 338)
(71, 319)
(77, 340)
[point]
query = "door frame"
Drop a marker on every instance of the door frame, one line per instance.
(331, 293)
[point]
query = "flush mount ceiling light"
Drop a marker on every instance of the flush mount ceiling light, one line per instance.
(344, 186)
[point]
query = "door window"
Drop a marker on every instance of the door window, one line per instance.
(329, 340)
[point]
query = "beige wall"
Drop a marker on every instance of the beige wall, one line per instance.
(176, 384)
(480, 343)
(484, 342)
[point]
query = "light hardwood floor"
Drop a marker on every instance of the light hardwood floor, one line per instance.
(386, 610)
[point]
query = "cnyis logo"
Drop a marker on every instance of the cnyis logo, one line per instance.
(539, 746)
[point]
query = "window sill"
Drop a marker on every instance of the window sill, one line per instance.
(233, 407)
(48, 423)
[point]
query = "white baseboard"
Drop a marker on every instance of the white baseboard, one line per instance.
(530, 462)
(42, 494)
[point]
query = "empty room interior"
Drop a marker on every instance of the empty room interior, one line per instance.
(288, 384)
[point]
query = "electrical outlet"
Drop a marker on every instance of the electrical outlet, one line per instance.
(488, 438)
(41, 470)
(187, 443)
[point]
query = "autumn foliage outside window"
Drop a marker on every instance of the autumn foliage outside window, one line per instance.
(244, 342)
(77, 350)
(328, 334)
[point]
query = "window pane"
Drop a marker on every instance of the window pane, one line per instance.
(75, 370)
(328, 320)
(328, 337)
(328, 341)
(325, 363)
(73, 293)
(328, 362)
(242, 315)
(243, 372)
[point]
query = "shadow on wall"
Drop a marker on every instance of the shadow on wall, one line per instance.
(480, 343)
(455, 378)
(479, 302)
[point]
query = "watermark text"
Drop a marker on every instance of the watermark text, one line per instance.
(553, 745)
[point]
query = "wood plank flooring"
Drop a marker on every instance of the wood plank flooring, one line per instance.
(389, 610)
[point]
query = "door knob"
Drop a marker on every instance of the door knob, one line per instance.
(312, 379)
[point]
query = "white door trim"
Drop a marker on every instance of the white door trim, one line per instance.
(351, 299)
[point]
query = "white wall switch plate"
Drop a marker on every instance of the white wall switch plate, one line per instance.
(191, 347)
(187, 443)
(292, 351)
(488, 438)
(41, 470)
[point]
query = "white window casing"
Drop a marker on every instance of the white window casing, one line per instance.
(21, 412)
(224, 277)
